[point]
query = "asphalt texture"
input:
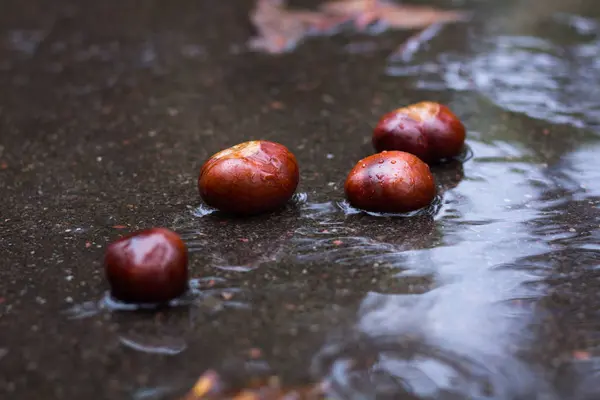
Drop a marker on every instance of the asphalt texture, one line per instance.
(108, 110)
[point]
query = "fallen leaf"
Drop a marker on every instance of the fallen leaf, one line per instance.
(281, 29)
(410, 17)
(362, 12)
(365, 12)
(581, 355)
(210, 386)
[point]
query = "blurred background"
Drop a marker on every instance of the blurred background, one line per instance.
(108, 109)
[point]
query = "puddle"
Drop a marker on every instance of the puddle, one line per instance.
(489, 293)
(205, 295)
(545, 77)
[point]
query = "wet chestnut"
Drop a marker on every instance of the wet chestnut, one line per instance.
(390, 181)
(428, 130)
(249, 178)
(149, 266)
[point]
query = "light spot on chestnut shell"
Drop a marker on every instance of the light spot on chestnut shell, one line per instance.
(249, 178)
(149, 266)
(428, 130)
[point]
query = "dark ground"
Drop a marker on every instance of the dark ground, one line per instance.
(108, 109)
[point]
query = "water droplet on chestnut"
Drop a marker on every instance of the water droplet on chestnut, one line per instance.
(404, 184)
(428, 130)
(249, 178)
(149, 266)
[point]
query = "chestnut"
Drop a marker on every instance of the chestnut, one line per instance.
(149, 266)
(249, 178)
(428, 130)
(390, 181)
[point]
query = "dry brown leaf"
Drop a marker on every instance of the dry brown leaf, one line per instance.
(362, 12)
(410, 17)
(280, 29)
(205, 387)
(210, 387)
(365, 12)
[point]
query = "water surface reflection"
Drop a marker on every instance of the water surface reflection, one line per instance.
(492, 294)
(549, 76)
(463, 336)
(510, 309)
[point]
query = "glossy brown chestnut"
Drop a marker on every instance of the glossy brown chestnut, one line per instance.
(428, 130)
(249, 178)
(390, 181)
(149, 266)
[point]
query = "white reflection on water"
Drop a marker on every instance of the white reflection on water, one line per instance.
(463, 338)
(170, 346)
(552, 80)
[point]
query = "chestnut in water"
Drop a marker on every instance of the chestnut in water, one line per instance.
(149, 266)
(249, 178)
(428, 130)
(390, 181)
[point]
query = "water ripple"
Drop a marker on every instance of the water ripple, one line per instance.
(462, 337)
(552, 80)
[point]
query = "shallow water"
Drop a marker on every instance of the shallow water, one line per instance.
(108, 110)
